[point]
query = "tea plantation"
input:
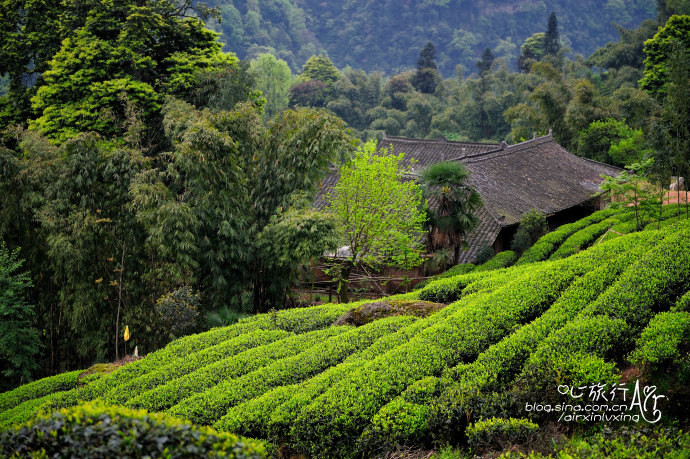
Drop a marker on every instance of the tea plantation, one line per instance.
(583, 306)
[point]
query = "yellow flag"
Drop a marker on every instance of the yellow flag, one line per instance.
(127, 333)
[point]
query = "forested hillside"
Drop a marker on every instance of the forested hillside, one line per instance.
(387, 35)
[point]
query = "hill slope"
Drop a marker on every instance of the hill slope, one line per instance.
(508, 338)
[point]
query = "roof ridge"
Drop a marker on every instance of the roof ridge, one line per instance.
(509, 149)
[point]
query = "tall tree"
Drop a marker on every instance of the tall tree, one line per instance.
(532, 50)
(426, 78)
(455, 217)
(19, 342)
(272, 77)
(232, 181)
(380, 210)
(120, 57)
(552, 39)
(658, 51)
(671, 132)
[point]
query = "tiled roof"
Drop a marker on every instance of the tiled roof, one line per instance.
(511, 179)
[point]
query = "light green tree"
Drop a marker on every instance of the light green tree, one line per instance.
(676, 32)
(380, 209)
(272, 77)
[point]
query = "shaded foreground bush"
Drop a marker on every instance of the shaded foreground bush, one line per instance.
(100, 431)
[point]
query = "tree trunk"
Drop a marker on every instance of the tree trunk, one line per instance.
(119, 305)
(345, 282)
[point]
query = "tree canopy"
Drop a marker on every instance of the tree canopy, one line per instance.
(658, 50)
(379, 208)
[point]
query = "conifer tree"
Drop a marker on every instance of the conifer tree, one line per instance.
(552, 41)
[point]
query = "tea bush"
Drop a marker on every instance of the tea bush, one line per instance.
(38, 389)
(498, 433)
(99, 431)
(207, 407)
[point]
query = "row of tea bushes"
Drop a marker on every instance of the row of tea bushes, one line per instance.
(180, 367)
(25, 410)
(451, 289)
(585, 237)
(299, 320)
(549, 243)
(406, 420)
(174, 391)
(36, 389)
(332, 423)
(662, 342)
(272, 414)
(584, 349)
(207, 407)
(651, 285)
(97, 430)
(500, 260)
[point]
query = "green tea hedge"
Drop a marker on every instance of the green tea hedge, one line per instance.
(173, 392)
(207, 407)
(99, 431)
(36, 389)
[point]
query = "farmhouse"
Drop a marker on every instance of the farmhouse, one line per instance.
(511, 179)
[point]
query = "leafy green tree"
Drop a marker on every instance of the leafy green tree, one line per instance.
(123, 55)
(628, 51)
(595, 142)
(484, 65)
(93, 241)
(19, 341)
(317, 83)
(658, 51)
(532, 50)
(320, 68)
(670, 133)
(631, 188)
(552, 98)
(587, 105)
(273, 78)
(396, 89)
(455, 217)
(380, 210)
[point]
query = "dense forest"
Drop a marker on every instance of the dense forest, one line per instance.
(386, 36)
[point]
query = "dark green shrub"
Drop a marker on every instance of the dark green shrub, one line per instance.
(178, 311)
(100, 431)
(499, 433)
(485, 254)
(532, 226)
(223, 317)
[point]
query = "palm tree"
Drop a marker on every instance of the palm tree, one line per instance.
(452, 205)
